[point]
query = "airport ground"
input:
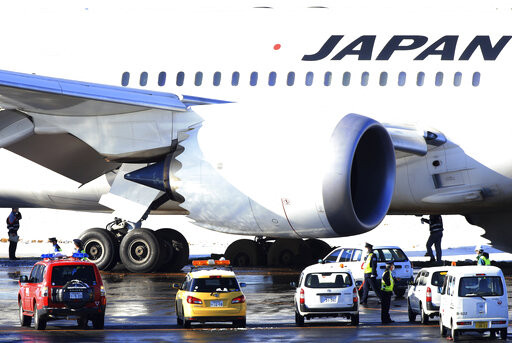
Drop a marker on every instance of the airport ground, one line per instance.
(141, 308)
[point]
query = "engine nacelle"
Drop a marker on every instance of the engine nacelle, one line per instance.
(304, 178)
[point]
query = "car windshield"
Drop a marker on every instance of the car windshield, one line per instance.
(391, 254)
(328, 280)
(214, 285)
(479, 286)
(438, 278)
(62, 274)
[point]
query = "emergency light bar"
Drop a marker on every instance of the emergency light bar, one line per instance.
(80, 255)
(197, 263)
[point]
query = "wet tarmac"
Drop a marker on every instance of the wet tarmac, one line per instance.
(141, 308)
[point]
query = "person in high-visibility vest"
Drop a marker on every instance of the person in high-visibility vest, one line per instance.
(387, 284)
(482, 259)
(370, 274)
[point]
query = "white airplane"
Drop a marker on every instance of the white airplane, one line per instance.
(274, 119)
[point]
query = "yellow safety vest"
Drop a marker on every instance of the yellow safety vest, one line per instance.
(385, 287)
(367, 264)
(487, 262)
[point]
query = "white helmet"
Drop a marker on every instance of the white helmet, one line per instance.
(479, 248)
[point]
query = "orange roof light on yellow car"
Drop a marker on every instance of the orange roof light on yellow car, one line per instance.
(210, 262)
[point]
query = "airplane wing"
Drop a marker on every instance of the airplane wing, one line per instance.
(82, 130)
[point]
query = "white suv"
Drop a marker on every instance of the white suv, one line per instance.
(326, 290)
(424, 297)
(353, 259)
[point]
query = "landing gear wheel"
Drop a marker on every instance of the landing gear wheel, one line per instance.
(410, 312)
(174, 248)
(289, 252)
(24, 320)
(39, 322)
(319, 249)
(423, 316)
(98, 322)
(354, 319)
(102, 248)
(245, 253)
(299, 320)
(140, 251)
(442, 328)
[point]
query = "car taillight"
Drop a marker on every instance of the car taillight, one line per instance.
(102, 291)
(301, 299)
(354, 295)
(499, 322)
(429, 295)
(193, 300)
(238, 300)
(463, 323)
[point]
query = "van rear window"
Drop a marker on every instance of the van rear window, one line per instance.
(387, 255)
(328, 280)
(438, 278)
(62, 274)
(480, 286)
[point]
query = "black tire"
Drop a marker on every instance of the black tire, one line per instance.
(174, 250)
(423, 315)
(140, 251)
(245, 253)
(39, 321)
(410, 312)
(354, 319)
(239, 323)
(82, 322)
(299, 320)
(399, 293)
(24, 320)
(102, 247)
(98, 322)
(288, 252)
(442, 328)
(319, 248)
(187, 324)
(454, 334)
(503, 334)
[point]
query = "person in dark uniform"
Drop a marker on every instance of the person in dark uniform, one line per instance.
(13, 224)
(387, 285)
(370, 274)
(56, 247)
(436, 234)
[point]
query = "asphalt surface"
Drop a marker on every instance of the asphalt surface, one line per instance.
(140, 307)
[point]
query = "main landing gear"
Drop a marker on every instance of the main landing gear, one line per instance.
(139, 250)
(282, 252)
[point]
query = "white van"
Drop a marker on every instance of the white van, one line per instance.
(353, 258)
(326, 290)
(474, 298)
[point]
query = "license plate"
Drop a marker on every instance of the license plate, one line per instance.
(75, 295)
(327, 299)
(481, 325)
(216, 303)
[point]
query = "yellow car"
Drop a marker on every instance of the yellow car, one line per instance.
(210, 293)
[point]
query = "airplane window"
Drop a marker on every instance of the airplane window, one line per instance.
(272, 78)
(125, 79)
(327, 78)
(254, 78)
(199, 78)
(364, 78)
(143, 78)
(401, 78)
(346, 78)
(383, 80)
(309, 78)
(161, 78)
(180, 78)
(216, 78)
(420, 79)
(290, 80)
(235, 78)
(457, 79)
(439, 79)
(476, 79)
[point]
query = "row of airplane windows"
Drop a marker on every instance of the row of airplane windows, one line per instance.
(198, 79)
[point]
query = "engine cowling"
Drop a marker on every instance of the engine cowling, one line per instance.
(321, 179)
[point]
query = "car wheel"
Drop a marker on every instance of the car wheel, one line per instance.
(442, 328)
(39, 322)
(299, 320)
(503, 334)
(399, 292)
(455, 334)
(98, 322)
(82, 322)
(423, 315)
(24, 320)
(179, 321)
(410, 312)
(186, 323)
(354, 319)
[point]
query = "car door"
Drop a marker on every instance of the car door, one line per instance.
(413, 294)
(31, 287)
(333, 256)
